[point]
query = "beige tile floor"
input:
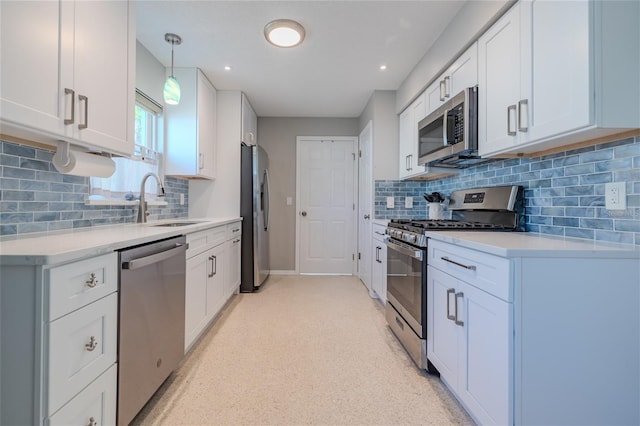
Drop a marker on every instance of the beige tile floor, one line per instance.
(304, 350)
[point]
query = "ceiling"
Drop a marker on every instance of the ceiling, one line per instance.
(333, 72)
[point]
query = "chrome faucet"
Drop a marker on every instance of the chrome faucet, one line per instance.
(142, 209)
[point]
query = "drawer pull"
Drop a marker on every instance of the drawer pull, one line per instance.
(449, 292)
(93, 343)
(236, 241)
(236, 230)
(92, 281)
(92, 422)
(462, 265)
(456, 320)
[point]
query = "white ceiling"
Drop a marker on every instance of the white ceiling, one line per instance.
(332, 74)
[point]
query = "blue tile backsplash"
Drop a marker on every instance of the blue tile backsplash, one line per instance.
(34, 197)
(564, 192)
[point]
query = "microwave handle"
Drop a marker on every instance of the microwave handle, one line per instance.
(445, 142)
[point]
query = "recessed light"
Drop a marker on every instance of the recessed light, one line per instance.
(284, 33)
(383, 67)
(227, 68)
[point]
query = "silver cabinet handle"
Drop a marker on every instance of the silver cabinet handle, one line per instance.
(93, 343)
(73, 106)
(457, 321)
(523, 102)
(92, 281)
(410, 156)
(210, 274)
(447, 90)
(378, 248)
(200, 160)
(215, 265)
(406, 162)
(462, 265)
(509, 109)
(449, 292)
(83, 98)
(442, 90)
(92, 422)
(445, 131)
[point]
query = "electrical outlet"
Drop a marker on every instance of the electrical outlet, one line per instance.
(615, 196)
(408, 202)
(182, 199)
(390, 202)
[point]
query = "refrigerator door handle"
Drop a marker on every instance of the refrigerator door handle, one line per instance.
(265, 199)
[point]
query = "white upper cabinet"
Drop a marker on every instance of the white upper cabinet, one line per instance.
(408, 138)
(68, 73)
(556, 73)
(191, 127)
(461, 74)
(249, 123)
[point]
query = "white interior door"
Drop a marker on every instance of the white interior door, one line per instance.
(326, 205)
(365, 212)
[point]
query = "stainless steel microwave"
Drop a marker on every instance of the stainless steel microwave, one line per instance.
(448, 137)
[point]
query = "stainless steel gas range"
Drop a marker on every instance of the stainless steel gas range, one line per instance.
(483, 209)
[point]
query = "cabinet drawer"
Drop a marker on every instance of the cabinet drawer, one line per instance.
(97, 401)
(77, 284)
(203, 240)
(484, 271)
(234, 230)
(82, 345)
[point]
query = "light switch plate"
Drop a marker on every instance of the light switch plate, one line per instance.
(615, 196)
(408, 202)
(390, 202)
(182, 199)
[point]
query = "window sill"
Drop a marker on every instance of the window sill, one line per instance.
(122, 203)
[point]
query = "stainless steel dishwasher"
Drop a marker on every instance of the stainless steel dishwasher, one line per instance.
(151, 321)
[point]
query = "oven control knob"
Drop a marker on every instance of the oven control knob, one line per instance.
(411, 238)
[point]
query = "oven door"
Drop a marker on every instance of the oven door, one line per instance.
(406, 284)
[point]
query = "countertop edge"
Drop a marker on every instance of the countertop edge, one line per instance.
(153, 233)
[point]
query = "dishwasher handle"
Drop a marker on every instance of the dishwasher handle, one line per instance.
(155, 258)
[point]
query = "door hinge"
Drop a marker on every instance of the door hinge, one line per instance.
(354, 206)
(353, 256)
(360, 153)
(359, 256)
(354, 156)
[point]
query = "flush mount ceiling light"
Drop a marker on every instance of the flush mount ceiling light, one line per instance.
(171, 90)
(284, 33)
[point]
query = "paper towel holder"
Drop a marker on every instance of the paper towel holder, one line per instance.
(62, 153)
(82, 163)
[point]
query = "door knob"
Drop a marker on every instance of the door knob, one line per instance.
(366, 216)
(303, 213)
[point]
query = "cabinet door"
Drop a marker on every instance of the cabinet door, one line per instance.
(232, 277)
(485, 379)
(409, 137)
(442, 332)
(30, 75)
(499, 73)
(404, 144)
(463, 73)
(103, 72)
(206, 111)
(215, 280)
(556, 99)
(195, 297)
(379, 269)
(249, 123)
(434, 96)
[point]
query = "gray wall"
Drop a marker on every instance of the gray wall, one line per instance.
(381, 111)
(278, 137)
(472, 20)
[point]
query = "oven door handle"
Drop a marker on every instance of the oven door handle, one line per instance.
(414, 253)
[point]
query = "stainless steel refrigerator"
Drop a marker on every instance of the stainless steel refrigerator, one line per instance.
(254, 209)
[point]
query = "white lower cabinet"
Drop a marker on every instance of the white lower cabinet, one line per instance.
(379, 260)
(212, 276)
(95, 405)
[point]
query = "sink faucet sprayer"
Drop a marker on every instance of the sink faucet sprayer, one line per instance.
(142, 210)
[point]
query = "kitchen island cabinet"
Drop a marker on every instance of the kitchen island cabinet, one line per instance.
(527, 104)
(542, 317)
(54, 88)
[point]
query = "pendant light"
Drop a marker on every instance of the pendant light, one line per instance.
(171, 86)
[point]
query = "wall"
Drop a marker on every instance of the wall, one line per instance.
(278, 137)
(564, 192)
(150, 73)
(381, 111)
(472, 20)
(34, 197)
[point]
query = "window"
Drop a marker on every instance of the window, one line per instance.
(125, 182)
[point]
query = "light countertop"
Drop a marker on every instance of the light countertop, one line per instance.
(528, 244)
(70, 245)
